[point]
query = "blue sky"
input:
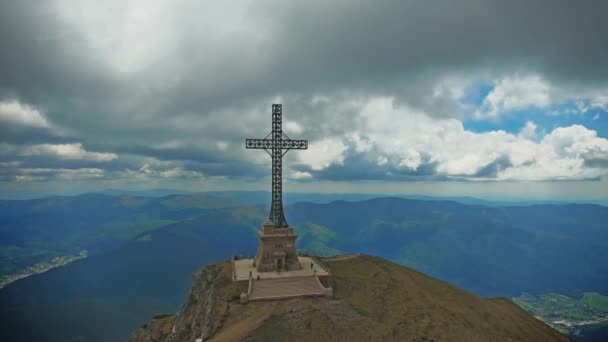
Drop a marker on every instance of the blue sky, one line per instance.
(495, 100)
(568, 113)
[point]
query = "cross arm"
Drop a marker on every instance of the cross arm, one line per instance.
(294, 144)
(259, 144)
(264, 144)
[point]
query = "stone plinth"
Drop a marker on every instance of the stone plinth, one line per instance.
(277, 249)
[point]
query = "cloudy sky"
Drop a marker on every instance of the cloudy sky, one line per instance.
(501, 99)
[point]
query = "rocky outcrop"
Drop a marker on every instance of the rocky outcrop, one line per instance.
(203, 313)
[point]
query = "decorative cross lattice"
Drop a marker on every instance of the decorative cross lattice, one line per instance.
(276, 144)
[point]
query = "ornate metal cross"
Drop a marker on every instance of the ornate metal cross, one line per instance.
(276, 144)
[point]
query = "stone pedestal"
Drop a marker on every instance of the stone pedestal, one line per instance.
(277, 249)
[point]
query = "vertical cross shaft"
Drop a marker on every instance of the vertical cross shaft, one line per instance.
(278, 142)
(276, 210)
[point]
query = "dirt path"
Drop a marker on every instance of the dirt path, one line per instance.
(240, 330)
(342, 257)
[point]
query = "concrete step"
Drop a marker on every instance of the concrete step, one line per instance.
(285, 288)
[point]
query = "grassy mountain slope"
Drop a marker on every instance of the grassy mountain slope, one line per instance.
(374, 300)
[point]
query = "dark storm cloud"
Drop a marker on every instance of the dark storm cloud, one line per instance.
(229, 169)
(223, 90)
(42, 57)
(376, 47)
(19, 134)
(353, 167)
(597, 162)
(37, 162)
(492, 169)
(182, 153)
(361, 167)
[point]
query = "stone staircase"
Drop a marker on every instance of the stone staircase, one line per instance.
(279, 288)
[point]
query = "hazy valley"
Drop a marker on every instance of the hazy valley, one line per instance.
(143, 250)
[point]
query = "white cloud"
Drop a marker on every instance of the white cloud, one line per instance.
(581, 106)
(67, 151)
(577, 141)
(292, 127)
(12, 111)
(451, 86)
(222, 145)
(515, 93)
(24, 178)
(157, 169)
(323, 153)
(410, 159)
(528, 131)
(299, 175)
(361, 144)
(178, 172)
(402, 137)
(145, 169)
(600, 101)
(129, 34)
(41, 174)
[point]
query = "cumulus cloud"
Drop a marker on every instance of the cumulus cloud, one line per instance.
(73, 151)
(45, 174)
(321, 154)
(577, 141)
(299, 175)
(398, 137)
(515, 93)
(67, 151)
(600, 101)
(180, 173)
(14, 112)
(528, 131)
(292, 127)
(152, 168)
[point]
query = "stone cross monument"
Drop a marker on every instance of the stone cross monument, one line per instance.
(277, 249)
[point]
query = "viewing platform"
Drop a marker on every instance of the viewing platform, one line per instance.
(302, 282)
(243, 267)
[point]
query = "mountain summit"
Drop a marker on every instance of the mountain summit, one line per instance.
(374, 299)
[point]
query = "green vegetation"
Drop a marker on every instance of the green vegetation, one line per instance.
(40, 267)
(322, 250)
(421, 256)
(200, 201)
(144, 238)
(248, 213)
(119, 230)
(564, 313)
(318, 232)
(317, 239)
(41, 253)
(17, 258)
(596, 301)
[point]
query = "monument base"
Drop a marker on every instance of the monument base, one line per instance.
(277, 249)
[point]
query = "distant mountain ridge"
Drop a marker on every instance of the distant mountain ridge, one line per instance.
(262, 197)
(148, 248)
